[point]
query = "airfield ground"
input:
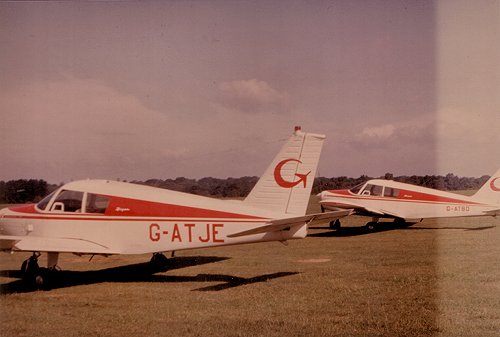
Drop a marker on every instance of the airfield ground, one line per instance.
(436, 278)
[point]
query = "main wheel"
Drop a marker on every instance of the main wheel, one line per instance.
(42, 279)
(371, 226)
(158, 261)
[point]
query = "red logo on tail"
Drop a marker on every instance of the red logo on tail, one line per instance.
(493, 185)
(289, 184)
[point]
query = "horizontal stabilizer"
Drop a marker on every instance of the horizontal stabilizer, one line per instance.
(495, 212)
(281, 224)
(48, 244)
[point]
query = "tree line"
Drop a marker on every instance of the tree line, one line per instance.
(32, 190)
(23, 190)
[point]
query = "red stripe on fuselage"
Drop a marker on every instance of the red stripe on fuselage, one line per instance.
(123, 209)
(24, 209)
(404, 195)
(134, 207)
(342, 192)
(85, 217)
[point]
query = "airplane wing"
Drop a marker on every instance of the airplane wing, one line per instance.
(46, 244)
(392, 214)
(375, 212)
(281, 224)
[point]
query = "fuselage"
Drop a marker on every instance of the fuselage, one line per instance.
(125, 218)
(387, 198)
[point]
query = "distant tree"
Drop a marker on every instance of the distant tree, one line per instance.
(23, 191)
(2, 192)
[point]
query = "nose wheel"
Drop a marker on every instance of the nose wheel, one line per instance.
(36, 276)
(30, 266)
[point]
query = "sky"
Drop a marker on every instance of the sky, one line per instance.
(160, 89)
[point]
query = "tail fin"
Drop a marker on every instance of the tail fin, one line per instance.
(286, 184)
(490, 191)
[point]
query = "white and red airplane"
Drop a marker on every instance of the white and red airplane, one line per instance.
(102, 217)
(407, 203)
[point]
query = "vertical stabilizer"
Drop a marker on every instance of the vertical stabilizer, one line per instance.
(490, 191)
(286, 184)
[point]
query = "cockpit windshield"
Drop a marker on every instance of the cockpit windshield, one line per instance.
(74, 201)
(357, 188)
(42, 204)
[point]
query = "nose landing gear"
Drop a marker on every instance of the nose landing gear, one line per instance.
(36, 276)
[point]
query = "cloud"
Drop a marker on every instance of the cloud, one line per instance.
(449, 140)
(447, 128)
(379, 132)
(78, 128)
(391, 136)
(252, 96)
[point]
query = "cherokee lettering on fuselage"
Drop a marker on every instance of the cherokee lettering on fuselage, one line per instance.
(185, 232)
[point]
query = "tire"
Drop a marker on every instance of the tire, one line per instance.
(371, 226)
(24, 267)
(42, 279)
(158, 262)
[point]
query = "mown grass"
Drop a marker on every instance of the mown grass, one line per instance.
(436, 278)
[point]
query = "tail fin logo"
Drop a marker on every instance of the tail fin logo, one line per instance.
(493, 185)
(289, 184)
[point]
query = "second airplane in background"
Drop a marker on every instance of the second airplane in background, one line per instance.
(407, 204)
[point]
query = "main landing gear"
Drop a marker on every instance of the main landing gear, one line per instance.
(371, 226)
(36, 276)
(335, 224)
(159, 262)
(397, 223)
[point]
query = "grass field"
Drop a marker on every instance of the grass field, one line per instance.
(436, 278)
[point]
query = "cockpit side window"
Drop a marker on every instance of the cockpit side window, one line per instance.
(96, 203)
(68, 201)
(377, 190)
(391, 192)
(372, 190)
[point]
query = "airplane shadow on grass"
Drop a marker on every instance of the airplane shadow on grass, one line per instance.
(140, 272)
(354, 231)
(383, 227)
